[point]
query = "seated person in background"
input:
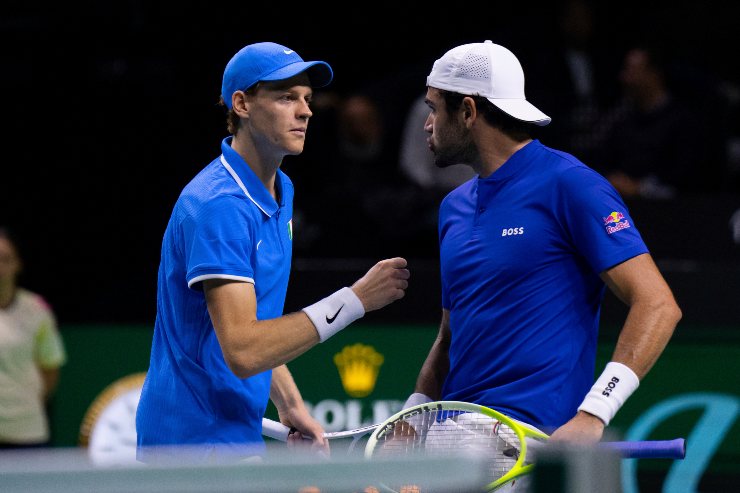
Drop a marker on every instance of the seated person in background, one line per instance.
(653, 143)
(359, 198)
(572, 77)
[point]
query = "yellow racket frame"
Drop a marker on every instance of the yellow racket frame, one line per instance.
(518, 469)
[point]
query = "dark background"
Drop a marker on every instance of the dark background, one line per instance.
(109, 109)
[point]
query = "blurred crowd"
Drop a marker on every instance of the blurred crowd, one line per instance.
(658, 125)
(632, 92)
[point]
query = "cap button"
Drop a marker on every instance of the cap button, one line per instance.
(488, 41)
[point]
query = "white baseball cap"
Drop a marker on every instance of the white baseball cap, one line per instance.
(489, 70)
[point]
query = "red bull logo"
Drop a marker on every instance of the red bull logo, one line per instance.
(615, 222)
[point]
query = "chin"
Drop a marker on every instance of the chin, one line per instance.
(293, 148)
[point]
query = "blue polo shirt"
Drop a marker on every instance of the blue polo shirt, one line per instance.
(225, 225)
(521, 252)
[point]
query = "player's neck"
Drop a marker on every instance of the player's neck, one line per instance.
(265, 167)
(496, 150)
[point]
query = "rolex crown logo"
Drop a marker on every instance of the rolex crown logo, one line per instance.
(358, 367)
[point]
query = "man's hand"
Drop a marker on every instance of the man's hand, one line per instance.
(306, 427)
(583, 429)
(401, 438)
(383, 284)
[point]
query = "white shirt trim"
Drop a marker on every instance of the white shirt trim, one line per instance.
(241, 184)
(219, 276)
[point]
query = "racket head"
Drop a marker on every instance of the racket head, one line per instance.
(456, 426)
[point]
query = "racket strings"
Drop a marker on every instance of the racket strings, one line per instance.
(441, 433)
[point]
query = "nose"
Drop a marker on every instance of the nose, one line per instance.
(304, 112)
(428, 123)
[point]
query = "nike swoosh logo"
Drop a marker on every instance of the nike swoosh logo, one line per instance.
(330, 320)
(287, 52)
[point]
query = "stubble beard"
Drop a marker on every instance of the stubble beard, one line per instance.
(460, 150)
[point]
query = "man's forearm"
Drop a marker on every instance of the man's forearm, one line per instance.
(284, 392)
(646, 332)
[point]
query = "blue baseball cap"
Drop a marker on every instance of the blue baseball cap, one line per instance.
(269, 61)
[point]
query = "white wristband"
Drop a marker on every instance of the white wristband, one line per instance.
(415, 399)
(335, 312)
(610, 391)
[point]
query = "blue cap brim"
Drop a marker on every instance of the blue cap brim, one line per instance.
(319, 73)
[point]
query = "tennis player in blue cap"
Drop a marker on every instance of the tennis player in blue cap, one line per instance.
(221, 340)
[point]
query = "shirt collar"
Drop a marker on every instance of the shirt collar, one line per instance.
(248, 181)
(516, 163)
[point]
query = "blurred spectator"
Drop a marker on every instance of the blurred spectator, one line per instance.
(375, 189)
(417, 160)
(731, 183)
(365, 157)
(358, 194)
(572, 78)
(735, 227)
(31, 353)
(654, 144)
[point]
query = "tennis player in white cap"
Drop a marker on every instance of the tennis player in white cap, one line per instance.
(527, 248)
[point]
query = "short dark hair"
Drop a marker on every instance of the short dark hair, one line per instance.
(232, 119)
(516, 129)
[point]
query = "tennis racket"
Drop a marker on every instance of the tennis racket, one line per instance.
(451, 427)
(279, 431)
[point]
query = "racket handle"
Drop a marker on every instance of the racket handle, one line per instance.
(275, 429)
(650, 449)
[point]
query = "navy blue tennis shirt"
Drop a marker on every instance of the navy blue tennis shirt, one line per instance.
(224, 225)
(521, 252)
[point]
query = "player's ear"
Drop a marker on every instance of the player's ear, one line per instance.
(239, 104)
(469, 110)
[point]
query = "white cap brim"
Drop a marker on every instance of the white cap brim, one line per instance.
(521, 109)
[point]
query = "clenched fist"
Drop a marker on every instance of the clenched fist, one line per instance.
(383, 284)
